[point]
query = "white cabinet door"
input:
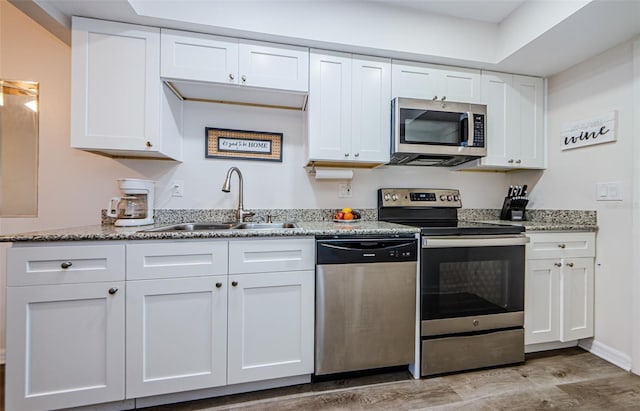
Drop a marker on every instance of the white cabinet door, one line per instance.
(371, 109)
(529, 107)
(431, 81)
(119, 106)
(515, 122)
(577, 298)
(199, 57)
(330, 106)
(542, 301)
(176, 335)
(65, 345)
(271, 323)
(274, 66)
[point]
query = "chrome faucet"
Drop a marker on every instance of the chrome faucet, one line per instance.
(241, 213)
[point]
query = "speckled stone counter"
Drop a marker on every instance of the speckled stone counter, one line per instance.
(538, 220)
(305, 228)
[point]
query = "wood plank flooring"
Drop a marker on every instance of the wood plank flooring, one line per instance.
(563, 379)
(554, 380)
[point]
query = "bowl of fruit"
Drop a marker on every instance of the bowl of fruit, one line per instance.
(346, 215)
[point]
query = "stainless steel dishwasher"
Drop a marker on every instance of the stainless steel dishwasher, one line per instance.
(365, 303)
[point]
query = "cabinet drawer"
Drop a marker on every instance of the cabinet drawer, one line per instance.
(64, 264)
(561, 245)
(176, 259)
(254, 256)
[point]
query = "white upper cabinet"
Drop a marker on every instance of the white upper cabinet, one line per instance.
(431, 81)
(119, 106)
(515, 122)
(279, 72)
(349, 108)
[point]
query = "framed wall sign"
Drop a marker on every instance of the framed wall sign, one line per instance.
(601, 129)
(243, 145)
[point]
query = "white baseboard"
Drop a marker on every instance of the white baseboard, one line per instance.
(554, 345)
(607, 353)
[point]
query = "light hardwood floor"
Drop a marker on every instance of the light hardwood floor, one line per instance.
(564, 379)
(556, 380)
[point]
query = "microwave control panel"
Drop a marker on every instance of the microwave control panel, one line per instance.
(478, 130)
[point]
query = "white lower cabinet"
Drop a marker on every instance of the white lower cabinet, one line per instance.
(270, 325)
(199, 314)
(559, 287)
(65, 341)
(176, 335)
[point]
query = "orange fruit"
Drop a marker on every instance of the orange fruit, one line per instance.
(348, 216)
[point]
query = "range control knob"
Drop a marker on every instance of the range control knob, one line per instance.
(443, 197)
(387, 197)
(449, 197)
(394, 197)
(456, 198)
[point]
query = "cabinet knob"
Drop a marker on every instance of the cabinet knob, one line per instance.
(234, 283)
(569, 264)
(435, 98)
(562, 245)
(357, 154)
(231, 76)
(475, 323)
(218, 285)
(443, 98)
(518, 161)
(346, 154)
(510, 161)
(149, 144)
(557, 264)
(113, 290)
(66, 264)
(244, 78)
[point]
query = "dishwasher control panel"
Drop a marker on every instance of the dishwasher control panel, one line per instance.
(366, 250)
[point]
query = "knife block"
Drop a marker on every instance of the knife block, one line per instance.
(514, 208)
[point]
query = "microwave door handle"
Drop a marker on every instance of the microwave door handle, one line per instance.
(470, 128)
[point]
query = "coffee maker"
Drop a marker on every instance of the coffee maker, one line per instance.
(135, 206)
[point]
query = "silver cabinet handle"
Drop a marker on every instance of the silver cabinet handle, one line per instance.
(569, 264)
(244, 78)
(346, 154)
(234, 283)
(510, 161)
(230, 76)
(518, 161)
(557, 264)
(562, 245)
(113, 290)
(218, 285)
(66, 264)
(357, 154)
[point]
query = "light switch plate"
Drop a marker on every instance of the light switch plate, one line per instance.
(177, 190)
(609, 191)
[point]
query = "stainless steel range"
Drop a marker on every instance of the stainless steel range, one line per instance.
(472, 281)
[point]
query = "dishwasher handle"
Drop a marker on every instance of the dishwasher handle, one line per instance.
(366, 250)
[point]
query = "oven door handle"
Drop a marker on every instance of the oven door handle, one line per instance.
(473, 241)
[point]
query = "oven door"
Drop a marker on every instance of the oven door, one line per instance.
(472, 283)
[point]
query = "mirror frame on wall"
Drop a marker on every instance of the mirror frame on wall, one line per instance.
(19, 130)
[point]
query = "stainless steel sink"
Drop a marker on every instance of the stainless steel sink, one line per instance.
(221, 226)
(194, 227)
(265, 226)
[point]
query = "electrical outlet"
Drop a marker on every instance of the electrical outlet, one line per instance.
(344, 190)
(178, 188)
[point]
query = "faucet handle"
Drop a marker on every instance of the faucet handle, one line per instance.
(244, 214)
(269, 219)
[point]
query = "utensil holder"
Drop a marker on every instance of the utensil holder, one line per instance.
(514, 208)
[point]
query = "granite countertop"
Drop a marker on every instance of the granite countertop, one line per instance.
(547, 226)
(305, 228)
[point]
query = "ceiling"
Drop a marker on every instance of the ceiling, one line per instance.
(534, 37)
(490, 11)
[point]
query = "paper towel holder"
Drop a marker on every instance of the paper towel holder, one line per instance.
(330, 173)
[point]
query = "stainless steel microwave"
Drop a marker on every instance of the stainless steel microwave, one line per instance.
(436, 132)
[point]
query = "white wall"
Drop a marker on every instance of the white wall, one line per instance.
(599, 85)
